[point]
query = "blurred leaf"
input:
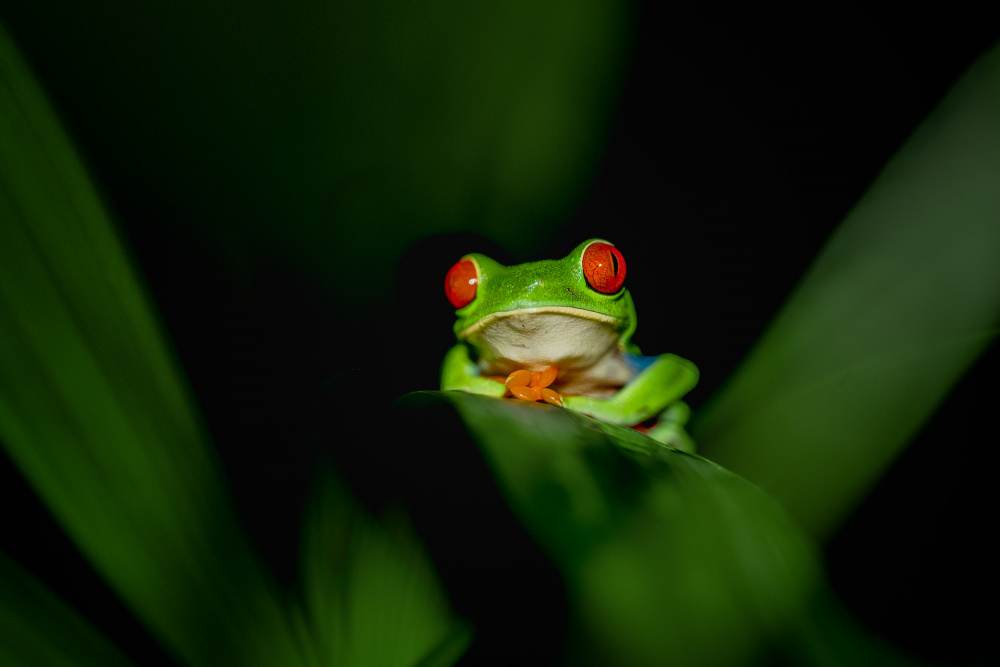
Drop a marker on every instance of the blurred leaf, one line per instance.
(667, 558)
(36, 628)
(372, 595)
(337, 134)
(901, 301)
(96, 417)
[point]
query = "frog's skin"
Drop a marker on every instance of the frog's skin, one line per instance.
(541, 314)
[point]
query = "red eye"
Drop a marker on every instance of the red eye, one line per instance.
(604, 267)
(460, 283)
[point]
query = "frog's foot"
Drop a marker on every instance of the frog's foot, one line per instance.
(529, 386)
(668, 428)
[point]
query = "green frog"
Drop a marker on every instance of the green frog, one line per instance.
(560, 331)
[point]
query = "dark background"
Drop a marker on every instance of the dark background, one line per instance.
(735, 145)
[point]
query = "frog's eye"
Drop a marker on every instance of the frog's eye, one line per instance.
(461, 282)
(604, 267)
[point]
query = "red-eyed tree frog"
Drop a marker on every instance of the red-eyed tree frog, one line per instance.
(559, 331)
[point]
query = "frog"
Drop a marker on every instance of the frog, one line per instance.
(560, 332)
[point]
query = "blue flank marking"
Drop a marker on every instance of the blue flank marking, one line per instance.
(638, 362)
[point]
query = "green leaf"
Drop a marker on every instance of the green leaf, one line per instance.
(372, 595)
(667, 558)
(37, 628)
(95, 415)
(901, 301)
(357, 125)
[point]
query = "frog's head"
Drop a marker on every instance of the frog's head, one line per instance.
(571, 301)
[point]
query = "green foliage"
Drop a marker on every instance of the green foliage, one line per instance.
(901, 301)
(37, 628)
(100, 423)
(332, 132)
(371, 594)
(661, 553)
(97, 419)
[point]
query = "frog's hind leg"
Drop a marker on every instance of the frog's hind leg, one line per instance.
(669, 428)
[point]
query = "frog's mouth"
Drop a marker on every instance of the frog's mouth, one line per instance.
(524, 315)
(584, 344)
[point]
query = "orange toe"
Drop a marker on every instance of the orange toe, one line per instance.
(523, 393)
(518, 379)
(550, 396)
(545, 378)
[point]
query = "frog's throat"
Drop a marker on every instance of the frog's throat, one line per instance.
(581, 313)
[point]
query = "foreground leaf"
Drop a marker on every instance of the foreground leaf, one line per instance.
(98, 420)
(372, 595)
(665, 557)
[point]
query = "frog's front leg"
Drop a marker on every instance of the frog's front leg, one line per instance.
(653, 392)
(459, 372)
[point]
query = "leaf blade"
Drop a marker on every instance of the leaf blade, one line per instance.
(97, 418)
(901, 301)
(37, 628)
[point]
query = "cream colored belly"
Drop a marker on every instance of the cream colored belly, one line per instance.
(582, 344)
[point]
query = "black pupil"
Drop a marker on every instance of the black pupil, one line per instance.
(614, 265)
